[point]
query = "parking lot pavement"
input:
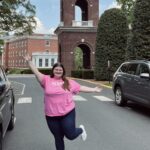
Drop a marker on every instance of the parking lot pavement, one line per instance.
(18, 87)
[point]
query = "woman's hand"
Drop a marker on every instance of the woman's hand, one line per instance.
(27, 57)
(97, 89)
(33, 68)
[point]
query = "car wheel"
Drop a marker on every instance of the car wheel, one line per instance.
(12, 120)
(119, 98)
(1, 140)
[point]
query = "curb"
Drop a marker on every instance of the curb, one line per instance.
(93, 82)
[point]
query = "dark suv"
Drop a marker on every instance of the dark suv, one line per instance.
(7, 101)
(131, 81)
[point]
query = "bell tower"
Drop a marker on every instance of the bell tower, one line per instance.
(77, 29)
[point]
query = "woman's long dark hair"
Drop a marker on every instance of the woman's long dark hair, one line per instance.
(66, 82)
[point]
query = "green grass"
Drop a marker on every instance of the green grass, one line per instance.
(108, 84)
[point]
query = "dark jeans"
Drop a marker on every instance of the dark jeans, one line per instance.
(63, 126)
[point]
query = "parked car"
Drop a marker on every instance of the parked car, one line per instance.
(7, 101)
(131, 82)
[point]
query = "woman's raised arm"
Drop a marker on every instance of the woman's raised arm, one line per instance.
(37, 73)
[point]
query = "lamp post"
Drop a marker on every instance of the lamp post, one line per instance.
(1, 50)
(108, 65)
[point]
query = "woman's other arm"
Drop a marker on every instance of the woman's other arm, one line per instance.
(89, 89)
(37, 73)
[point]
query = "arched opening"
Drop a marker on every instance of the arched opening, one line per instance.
(61, 11)
(83, 4)
(78, 58)
(78, 13)
(82, 58)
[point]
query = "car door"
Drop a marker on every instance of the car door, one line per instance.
(142, 85)
(5, 100)
(129, 80)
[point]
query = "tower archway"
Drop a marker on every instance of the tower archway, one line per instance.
(82, 57)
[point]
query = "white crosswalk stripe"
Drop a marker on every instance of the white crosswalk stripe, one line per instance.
(103, 98)
(24, 100)
(79, 98)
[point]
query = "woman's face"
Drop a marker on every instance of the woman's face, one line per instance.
(58, 72)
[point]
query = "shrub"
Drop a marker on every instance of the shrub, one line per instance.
(15, 71)
(141, 29)
(111, 42)
(84, 74)
(28, 71)
(76, 73)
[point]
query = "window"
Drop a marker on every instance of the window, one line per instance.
(52, 61)
(40, 62)
(47, 43)
(132, 69)
(143, 69)
(124, 68)
(46, 62)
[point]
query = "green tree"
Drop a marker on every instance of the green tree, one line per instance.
(111, 42)
(140, 40)
(78, 59)
(127, 7)
(17, 16)
(130, 53)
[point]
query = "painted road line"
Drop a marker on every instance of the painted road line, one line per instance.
(24, 100)
(18, 87)
(79, 98)
(103, 98)
(23, 89)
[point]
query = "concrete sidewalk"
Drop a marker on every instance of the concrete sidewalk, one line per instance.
(98, 83)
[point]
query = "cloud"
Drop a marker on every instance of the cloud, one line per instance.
(40, 28)
(114, 5)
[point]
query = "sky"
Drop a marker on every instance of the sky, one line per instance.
(48, 13)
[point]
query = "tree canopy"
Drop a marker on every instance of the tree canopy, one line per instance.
(17, 16)
(127, 7)
(110, 43)
(140, 40)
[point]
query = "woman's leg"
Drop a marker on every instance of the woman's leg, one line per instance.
(69, 126)
(54, 125)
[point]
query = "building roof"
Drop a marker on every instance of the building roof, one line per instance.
(33, 36)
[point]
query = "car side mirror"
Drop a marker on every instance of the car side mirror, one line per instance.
(7, 72)
(145, 75)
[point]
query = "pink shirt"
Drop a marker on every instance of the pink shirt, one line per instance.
(57, 101)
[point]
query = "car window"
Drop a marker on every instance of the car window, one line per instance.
(123, 68)
(143, 69)
(132, 68)
(2, 77)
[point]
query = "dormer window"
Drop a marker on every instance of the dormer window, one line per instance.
(47, 43)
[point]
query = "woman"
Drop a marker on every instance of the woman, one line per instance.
(59, 104)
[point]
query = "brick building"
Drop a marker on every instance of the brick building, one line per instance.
(43, 48)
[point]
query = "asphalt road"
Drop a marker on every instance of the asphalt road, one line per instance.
(108, 126)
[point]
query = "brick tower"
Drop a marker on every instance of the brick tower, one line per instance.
(72, 33)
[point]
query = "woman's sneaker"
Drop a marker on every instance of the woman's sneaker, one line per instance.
(84, 134)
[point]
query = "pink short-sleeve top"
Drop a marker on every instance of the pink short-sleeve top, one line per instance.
(57, 101)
